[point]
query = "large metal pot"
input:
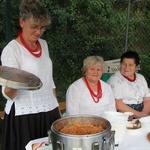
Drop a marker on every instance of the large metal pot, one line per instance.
(99, 141)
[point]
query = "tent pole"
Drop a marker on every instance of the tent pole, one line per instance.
(127, 27)
(8, 20)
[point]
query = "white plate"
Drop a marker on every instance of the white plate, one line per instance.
(130, 125)
(138, 148)
(145, 119)
(45, 139)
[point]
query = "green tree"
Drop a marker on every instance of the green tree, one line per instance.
(80, 29)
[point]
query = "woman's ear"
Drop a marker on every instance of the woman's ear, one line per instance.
(21, 22)
(138, 67)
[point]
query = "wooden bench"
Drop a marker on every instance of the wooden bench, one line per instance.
(62, 107)
(2, 115)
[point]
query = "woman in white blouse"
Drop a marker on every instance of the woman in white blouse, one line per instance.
(29, 114)
(130, 88)
(89, 95)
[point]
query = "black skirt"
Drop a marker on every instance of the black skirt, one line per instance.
(19, 130)
(137, 107)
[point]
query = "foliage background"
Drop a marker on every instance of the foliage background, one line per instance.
(81, 28)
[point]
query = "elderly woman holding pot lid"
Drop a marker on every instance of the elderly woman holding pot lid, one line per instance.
(130, 88)
(29, 114)
(89, 95)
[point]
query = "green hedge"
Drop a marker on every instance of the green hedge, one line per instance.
(80, 29)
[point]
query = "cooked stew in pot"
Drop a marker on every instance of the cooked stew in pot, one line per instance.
(81, 129)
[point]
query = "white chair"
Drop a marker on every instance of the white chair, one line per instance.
(111, 66)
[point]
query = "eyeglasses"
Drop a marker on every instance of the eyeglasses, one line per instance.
(35, 28)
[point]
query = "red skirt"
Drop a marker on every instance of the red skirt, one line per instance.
(19, 130)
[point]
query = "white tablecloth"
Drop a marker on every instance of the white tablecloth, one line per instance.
(133, 140)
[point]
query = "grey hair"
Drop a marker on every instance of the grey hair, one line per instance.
(32, 9)
(93, 60)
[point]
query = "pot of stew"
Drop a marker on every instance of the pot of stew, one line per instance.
(82, 133)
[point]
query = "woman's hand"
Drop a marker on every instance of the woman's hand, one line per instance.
(121, 107)
(146, 103)
(141, 114)
(11, 93)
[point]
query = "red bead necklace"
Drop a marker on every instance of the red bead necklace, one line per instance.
(36, 52)
(129, 79)
(99, 91)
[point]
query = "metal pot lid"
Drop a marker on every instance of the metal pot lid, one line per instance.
(18, 79)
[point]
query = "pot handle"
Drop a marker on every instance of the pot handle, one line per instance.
(60, 145)
(108, 143)
(49, 137)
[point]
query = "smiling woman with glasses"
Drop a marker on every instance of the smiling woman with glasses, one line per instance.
(29, 114)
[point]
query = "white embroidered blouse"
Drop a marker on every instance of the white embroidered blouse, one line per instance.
(80, 102)
(129, 92)
(28, 102)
